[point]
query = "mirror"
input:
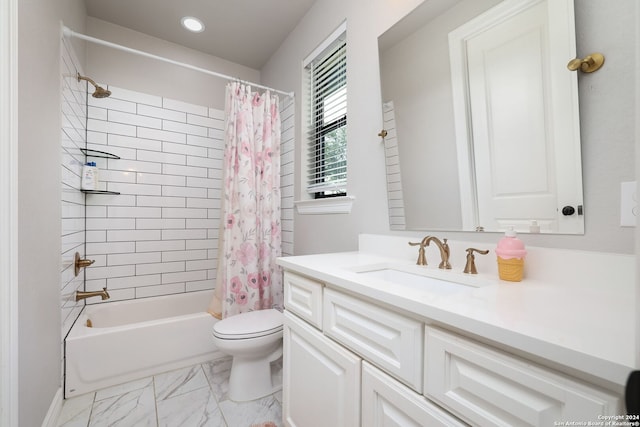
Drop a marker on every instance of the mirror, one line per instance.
(481, 115)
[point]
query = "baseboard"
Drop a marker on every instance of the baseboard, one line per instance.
(54, 410)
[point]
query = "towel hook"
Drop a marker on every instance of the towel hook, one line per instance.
(588, 64)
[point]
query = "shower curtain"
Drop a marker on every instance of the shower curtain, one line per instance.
(249, 240)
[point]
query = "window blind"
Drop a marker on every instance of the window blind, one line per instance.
(327, 153)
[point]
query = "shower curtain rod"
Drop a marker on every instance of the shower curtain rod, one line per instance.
(70, 33)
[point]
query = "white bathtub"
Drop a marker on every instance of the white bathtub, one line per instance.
(134, 339)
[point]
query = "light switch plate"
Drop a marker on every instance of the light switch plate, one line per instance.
(628, 204)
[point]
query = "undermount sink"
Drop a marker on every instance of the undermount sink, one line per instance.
(421, 279)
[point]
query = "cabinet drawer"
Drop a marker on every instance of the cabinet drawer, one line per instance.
(386, 402)
(389, 340)
(491, 388)
(303, 297)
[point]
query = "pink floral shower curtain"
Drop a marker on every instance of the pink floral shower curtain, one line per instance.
(250, 239)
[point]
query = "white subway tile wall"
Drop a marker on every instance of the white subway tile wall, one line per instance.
(72, 137)
(392, 160)
(287, 144)
(160, 235)
(139, 238)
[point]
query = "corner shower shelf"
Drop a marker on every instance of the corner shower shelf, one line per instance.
(100, 192)
(97, 153)
(105, 155)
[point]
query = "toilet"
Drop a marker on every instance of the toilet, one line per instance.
(254, 340)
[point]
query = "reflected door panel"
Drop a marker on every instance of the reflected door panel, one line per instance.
(509, 89)
(516, 118)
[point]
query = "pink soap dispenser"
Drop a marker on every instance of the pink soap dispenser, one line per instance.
(511, 254)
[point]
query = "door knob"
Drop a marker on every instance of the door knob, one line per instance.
(568, 210)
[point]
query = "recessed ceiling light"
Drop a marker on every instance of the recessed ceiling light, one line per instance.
(192, 24)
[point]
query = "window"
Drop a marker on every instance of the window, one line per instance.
(327, 122)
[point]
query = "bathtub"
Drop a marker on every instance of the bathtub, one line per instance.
(129, 340)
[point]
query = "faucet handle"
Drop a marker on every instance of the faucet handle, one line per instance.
(79, 263)
(470, 267)
(422, 259)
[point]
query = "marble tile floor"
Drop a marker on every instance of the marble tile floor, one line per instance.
(195, 396)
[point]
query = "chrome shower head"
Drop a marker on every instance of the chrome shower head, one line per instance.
(100, 92)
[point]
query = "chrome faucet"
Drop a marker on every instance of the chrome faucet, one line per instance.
(444, 251)
(80, 295)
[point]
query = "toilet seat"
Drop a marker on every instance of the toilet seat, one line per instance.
(252, 324)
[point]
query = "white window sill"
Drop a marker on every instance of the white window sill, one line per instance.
(329, 205)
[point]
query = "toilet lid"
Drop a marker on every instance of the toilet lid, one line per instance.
(249, 325)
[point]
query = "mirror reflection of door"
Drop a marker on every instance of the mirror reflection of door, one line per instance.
(520, 130)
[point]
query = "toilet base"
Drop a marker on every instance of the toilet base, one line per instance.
(250, 377)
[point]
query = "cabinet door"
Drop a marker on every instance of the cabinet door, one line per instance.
(387, 403)
(491, 388)
(321, 380)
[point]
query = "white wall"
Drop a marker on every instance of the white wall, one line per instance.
(39, 206)
(607, 117)
(8, 212)
(606, 103)
(150, 76)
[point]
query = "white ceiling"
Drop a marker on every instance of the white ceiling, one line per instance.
(246, 32)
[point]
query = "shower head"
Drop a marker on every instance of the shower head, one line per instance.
(100, 92)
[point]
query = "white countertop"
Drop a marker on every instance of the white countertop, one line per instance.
(588, 329)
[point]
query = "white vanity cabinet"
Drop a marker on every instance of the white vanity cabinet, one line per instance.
(353, 361)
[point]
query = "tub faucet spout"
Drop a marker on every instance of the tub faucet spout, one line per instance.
(80, 295)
